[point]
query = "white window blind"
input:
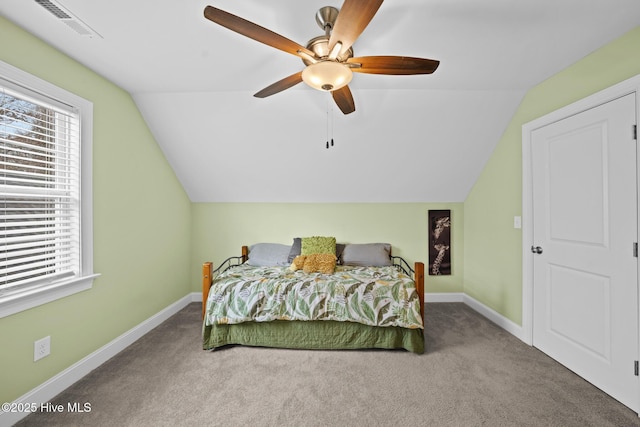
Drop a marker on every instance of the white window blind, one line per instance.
(39, 191)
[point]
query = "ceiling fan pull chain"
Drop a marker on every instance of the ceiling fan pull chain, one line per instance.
(328, 122)
(332, 120)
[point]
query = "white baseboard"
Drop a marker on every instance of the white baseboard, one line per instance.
(444, 297)
(55, 385)
(497, 318)
(196, 296)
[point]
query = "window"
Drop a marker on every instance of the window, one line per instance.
(45, 192)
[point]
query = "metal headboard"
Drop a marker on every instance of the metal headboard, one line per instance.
(232, 261)
(401, 265)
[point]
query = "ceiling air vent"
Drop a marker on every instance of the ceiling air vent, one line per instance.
(63, 14)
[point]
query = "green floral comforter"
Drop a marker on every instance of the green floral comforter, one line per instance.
(376, 296)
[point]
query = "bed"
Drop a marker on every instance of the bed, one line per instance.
(271, 304)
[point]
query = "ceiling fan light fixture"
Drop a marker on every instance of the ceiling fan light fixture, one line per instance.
(327, 75)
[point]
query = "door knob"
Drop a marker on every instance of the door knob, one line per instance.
(536, 249)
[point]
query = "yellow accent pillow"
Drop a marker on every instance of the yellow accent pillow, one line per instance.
(321, 263)
(297, 263)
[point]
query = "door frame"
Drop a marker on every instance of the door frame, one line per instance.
(629, 86)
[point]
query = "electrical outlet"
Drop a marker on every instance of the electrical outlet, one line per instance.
(41, 348)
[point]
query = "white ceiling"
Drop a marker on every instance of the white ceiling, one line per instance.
(412, 138)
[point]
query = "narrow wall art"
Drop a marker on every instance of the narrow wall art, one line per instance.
(439, 242)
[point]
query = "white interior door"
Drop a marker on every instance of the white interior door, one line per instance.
(585, 284)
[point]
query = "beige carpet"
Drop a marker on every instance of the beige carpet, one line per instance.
(472, 374)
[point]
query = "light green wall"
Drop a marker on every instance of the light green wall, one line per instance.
(493, 248)
(149, 240)
(220, 229)
(141, 229)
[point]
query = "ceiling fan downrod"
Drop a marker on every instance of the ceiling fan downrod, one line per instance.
(326, 17)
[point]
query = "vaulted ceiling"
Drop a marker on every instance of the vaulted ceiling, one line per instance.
(411, 139)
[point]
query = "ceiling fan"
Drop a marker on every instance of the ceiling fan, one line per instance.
(328, 58)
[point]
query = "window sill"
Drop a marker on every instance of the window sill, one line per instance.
(30, 298)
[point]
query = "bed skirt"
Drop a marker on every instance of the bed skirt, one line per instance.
(320, 335)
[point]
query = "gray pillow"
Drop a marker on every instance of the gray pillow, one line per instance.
(367, 254)
(268, 254)
(296, 249)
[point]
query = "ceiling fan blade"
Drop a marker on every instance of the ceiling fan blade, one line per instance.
(353, 18)
(280, 85)
(344, 99)
(393, 65)
(254, 31)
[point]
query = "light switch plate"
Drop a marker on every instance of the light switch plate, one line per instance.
(517, 222)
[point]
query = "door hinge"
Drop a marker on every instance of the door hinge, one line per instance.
(635, 368)
(635, 249)
(635, 132)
